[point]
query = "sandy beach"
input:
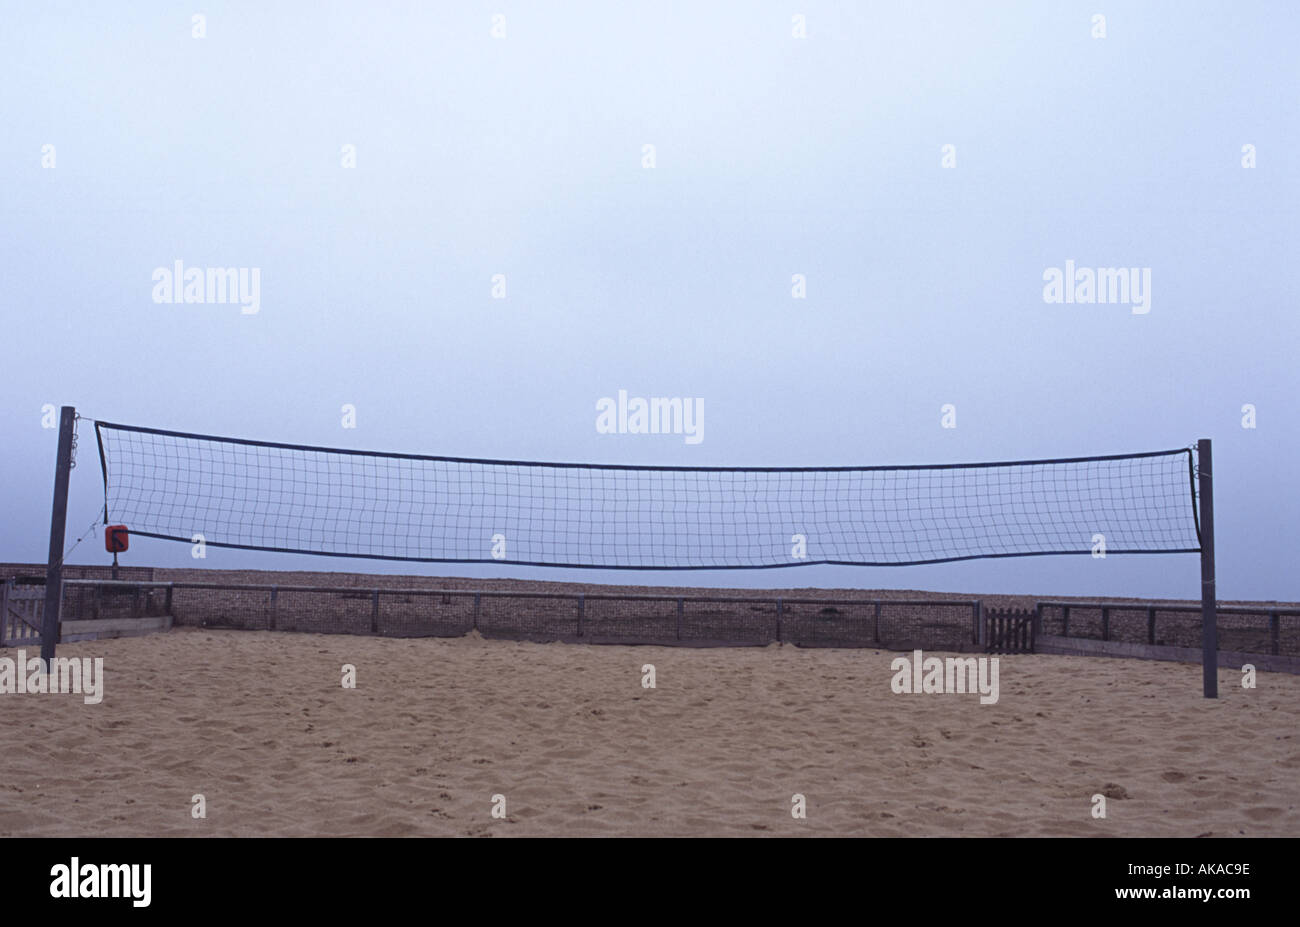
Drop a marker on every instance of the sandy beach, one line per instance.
(259, 724)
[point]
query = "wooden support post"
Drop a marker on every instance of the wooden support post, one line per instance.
(478, 600)
(680, 606)
(1151, 625)
(1105, 622)
(58, 525)
(582, 611)
(875, 622)
(780, 613)
(271, 618)
(1209, 602)
(374, 612)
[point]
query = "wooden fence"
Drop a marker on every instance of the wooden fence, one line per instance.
(1009, 630)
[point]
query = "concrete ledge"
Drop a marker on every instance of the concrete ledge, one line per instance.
(1229, 659)
(103, 628)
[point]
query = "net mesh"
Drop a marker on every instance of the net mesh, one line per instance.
(281, 497)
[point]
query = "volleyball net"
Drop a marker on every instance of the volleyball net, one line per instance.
(271, 496)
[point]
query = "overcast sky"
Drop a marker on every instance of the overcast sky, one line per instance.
(524, 155)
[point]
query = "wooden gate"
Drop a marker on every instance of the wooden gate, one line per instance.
(1009, 630)
(22, 607)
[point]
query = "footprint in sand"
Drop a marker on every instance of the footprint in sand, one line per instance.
(1263, 813)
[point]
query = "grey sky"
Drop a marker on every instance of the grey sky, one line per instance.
(522, 156)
